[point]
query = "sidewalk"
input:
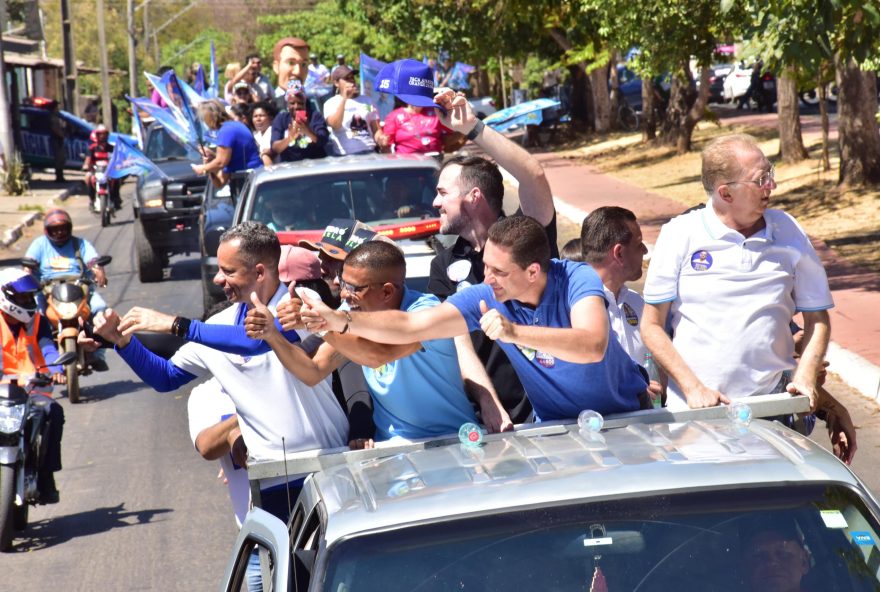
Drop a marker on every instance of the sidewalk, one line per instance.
(19, 211)
(854, 353)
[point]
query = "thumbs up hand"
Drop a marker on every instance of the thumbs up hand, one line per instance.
(259, 322)
(494, 324)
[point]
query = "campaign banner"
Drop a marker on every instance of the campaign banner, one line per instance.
(127, 160)
(164, 117)
(458, 76)
(137, 126)
(198, 84)
(369, 69)
(171, 91)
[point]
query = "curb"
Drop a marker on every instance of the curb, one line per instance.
(11, 235)
(854, 370)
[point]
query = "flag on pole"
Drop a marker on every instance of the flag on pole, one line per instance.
(213, 90)
(137, 126)
(182, 101)
(128, 160)
(369, 68)
(199, 80)
(164, 117)
(458, 79)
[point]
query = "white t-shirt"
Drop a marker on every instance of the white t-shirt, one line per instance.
(625, 317)
(355, 136)
(264, 139)
(271, 402)
(208, 405)
(733, 298)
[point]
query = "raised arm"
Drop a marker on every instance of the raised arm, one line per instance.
(364, 352)
(536, 199)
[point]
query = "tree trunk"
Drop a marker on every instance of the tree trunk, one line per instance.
(649, 121)
(581, 98)
(614, 93)
(823, 115)
(859, 137)
(681, 119)
(791, 142)
(601, 99)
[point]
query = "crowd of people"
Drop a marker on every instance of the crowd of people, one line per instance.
(323, 344)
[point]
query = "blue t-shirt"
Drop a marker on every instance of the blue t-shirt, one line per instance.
(57, 261)
(556, 388)
(245, 152)
(421, 395)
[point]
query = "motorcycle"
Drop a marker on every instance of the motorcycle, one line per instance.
(67, 308)
(102, 191)
(22, 448)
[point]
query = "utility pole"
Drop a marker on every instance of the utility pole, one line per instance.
(146, 28)
(106, 107)
(71, 96)
(132, 58)
(6, 138)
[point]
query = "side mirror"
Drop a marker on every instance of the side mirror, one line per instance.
(64, 359)
(30, 263)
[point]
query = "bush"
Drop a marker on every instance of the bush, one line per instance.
(14, 178)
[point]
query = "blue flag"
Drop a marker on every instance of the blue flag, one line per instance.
(458, 78)
(213, 89)
(128, 160)
(369, 69)
(199, 80)
(165, 118)
(171, 91)
(137, 126)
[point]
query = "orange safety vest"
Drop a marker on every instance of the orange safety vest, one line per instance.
(21, 354)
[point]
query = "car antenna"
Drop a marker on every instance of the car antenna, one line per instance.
(286, 477)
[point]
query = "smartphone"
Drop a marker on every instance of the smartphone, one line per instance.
(300, 116)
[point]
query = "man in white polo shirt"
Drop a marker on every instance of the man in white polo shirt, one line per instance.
(726, 279)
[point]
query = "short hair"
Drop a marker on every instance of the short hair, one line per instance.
(721, 159)
(213, 109)
(572, 251)
(525, 238)
(378, 256)
(294, 42)
(266, 106)
(482, 173)
(251, 56)
(231, 70)
(602, 229)
(257, 244)
(242, 110)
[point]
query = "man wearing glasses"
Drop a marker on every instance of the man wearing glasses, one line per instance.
(727, 280)
(353, 118)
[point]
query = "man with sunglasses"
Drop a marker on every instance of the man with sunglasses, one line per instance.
(727, 280)
(353, 118)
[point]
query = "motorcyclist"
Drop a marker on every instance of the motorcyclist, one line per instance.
(100, 149)
(59, 253)
(27, 344)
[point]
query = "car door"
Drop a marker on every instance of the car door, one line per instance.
(35, 148)
(264, 542)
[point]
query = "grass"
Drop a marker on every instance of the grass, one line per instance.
(849, 221)
(30, 208)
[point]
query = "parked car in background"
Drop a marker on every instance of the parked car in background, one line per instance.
(656, 501)
(393, 193)
(737, 82)
(483, 106)
(36, 145)
(716, 82)
(166, 210)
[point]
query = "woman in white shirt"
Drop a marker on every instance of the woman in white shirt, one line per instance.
(262, 115)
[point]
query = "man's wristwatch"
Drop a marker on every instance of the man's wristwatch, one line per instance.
(476, 131)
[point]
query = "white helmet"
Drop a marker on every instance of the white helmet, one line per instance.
(17, 290)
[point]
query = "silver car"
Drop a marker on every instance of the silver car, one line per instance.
(655, 501)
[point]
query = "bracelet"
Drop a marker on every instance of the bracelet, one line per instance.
(476, 131)
(347, 322)
(180, 327)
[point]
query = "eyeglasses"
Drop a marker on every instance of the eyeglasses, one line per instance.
(765, 181)
(352, 288)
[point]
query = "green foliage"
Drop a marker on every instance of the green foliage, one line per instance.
(14, 178)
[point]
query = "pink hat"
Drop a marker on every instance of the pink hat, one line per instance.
(297, 264)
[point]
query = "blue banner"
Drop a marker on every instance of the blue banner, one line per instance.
(458, 77)
(199, 80)
(137, 126)
(165, 118)
(369, 69)
(128, 160)
(176, 89)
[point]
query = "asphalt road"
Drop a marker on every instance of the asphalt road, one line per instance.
(139, 510)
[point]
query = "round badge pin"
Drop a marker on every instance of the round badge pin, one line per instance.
(701, 260)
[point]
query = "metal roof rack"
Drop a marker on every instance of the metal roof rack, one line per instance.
(311, 461)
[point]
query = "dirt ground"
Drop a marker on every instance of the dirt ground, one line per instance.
(848, 221)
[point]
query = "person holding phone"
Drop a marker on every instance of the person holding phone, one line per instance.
(300, 132)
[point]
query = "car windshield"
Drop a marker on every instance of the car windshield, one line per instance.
(376, 197)
(799, 538)
(163, 146)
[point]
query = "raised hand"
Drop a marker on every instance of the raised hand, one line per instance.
(494, 324)
(317, 316)
(459, 114)
(145, 319)
(107, 326)
(259, 322)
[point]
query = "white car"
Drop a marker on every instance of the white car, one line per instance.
(737, 82)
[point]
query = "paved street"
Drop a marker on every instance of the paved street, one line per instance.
(140, 510)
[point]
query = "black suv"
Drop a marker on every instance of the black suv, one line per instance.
(167, 209)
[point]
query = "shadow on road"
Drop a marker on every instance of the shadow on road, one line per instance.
(61, 529)
(184, 270)
(107, 390)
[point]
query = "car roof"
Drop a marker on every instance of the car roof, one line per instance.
(333, 164)
(556, 465)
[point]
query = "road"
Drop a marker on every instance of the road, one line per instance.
(139, 510)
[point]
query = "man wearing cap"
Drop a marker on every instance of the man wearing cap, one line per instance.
(318, 73)
(299, 131)
(340, 61)
(291, 62)
(353, 118)
(470, 195)
(59, 253)
(242, 92)
(415, 387)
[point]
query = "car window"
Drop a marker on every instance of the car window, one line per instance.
(378, 197)
(161, 145)
(795, 537)
(254, 568)
(35, 122)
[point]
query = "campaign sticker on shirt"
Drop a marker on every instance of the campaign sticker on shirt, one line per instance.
(462, 285)
(528, 352)
(546, 360)
(630, 315)
(701, 260)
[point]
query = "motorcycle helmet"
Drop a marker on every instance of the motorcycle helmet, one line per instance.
(18, 290)
(58, 226)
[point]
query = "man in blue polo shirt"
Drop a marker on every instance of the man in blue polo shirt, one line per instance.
(416, 387)
(548, 315)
